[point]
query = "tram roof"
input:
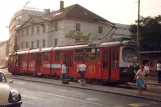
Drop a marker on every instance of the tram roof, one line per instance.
(34, 51)
(70, 47)
(22, 52)
(46, 49)
(116, 43)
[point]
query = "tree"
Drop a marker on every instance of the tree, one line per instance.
(78, 36)
(149, 33)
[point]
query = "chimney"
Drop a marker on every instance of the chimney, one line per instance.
(61, 4)
(47, 11)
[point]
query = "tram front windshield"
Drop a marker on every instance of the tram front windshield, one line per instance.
(130, 55)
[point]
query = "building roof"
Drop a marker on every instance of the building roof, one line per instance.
(74, 12)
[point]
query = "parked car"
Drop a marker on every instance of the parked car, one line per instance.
(8, 97)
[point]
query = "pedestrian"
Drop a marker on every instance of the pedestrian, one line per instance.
(64, 71)
(159, 71)
(146, 68)
(82, 70)
(140, 75)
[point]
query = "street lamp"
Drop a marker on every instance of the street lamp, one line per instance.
(138, 21)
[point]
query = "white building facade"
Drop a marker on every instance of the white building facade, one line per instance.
(49, 35)
(122, 30)
(17, 20)
(50, 30)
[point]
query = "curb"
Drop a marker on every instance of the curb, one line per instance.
(68, 85)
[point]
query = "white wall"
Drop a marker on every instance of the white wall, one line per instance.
(25, 15)
(122, 30)
(64, 27)
(33, 37)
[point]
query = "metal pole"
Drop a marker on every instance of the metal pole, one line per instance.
(138, 21)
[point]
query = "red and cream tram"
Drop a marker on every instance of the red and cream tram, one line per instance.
(107, 61)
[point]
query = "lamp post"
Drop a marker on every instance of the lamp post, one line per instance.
(138, 21)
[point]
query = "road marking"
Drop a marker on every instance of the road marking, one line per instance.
(92, 99)
(119, 106)
(136, 104)
(65, 97)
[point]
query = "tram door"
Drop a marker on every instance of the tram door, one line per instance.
(105, 64)
(38, 62)
(68, 58)
(114, 63)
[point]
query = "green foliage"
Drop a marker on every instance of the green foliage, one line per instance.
(78, 36)
(149, 33)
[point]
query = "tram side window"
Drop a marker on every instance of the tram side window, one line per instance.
(79, 54)
(115, 59)
(32, 57)
(45, 57)
(12, 59)
(24, 58)
(57, 56)
(105, 59)
(20, 59)
(93, 54)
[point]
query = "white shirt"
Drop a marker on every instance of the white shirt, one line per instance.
(146, 68)
(140, 74)
(158, 66)
(82, 67)
(64, 69)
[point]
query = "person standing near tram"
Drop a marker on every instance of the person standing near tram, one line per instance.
(146, 68)
(82, 70)
(140, 76)
(64, 71)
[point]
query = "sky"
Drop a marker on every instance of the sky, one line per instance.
(117, 11)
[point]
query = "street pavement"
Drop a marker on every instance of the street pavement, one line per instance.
(153, 93)
(36, 94)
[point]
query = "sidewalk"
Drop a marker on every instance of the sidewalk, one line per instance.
(153, 93)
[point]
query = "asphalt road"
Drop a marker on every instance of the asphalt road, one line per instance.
(47, 95)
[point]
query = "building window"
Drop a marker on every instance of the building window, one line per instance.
(77, 26)
(21, 44)
(44, 28)
(55, 42)
(32, 44)
(100, 28)
(26, 44)
(27, 32)
(43, 42)
(32, 30)
(56, 27)
(38, 29)
(37, 43)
